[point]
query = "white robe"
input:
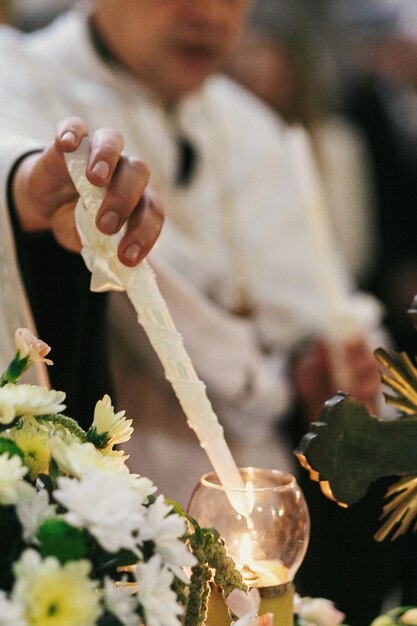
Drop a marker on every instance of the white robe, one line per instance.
(243, 221)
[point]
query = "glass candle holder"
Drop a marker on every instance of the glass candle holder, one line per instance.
(267, 545)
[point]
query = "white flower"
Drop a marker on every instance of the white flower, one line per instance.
(53, 594)
(77, 458)
(29, 345)
(120, 602)
(18, 400)
(105, 505)
(142, 486)
(13, 487)
(165, 529)
(114, 425)
(33, 511)
(155, 594)
(317, 611)
(246, 606)
(11, 613)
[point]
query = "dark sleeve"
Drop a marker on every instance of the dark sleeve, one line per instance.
(68, 316)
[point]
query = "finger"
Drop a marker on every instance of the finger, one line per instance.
(106, 147)
(144, 227)
(123, 194)
(64, 229)
(69, 134)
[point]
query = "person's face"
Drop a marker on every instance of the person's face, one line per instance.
(172, 45)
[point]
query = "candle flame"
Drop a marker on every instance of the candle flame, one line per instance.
(249, 575)
(245, 550)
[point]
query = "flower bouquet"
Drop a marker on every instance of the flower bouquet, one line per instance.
(73, 519)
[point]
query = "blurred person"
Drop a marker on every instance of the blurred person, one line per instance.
(284, 63)
(28, 15)
(4, 11)
(381, 99)
(236, 260)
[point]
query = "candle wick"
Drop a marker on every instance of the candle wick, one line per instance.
(248, 574)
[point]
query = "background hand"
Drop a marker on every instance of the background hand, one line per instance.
(314, 376)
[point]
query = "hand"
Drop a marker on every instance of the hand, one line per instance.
(45, 197)
(314, 376)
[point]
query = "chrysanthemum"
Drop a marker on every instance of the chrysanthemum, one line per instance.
(11, 613)
(33, 511)
(109, 426)
(77, 458)
(13, 487)
(18, 400)
(142, 486)
(53, 594)
(29, 345)
(158, 600)
(34, 443)
(165, 529)
(105, 505)
(120, 602)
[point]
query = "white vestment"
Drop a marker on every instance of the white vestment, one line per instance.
(238, 228)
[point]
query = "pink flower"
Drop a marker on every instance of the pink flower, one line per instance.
(29, 345)
(245, 606)
(317, 612)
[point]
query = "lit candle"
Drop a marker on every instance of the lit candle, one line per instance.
(270, 577)
(341, 320)
(267, 548)
(100, 254)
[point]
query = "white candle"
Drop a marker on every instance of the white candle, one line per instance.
(100, 254)
(340, 319)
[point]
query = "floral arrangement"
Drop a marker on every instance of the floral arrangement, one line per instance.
(86, 543)
(72, 517)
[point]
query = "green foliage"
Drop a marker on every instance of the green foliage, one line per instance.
(15, 369)
(11, 537)
(99, 440)
(7, 446)
(59, 539)
(214, 565)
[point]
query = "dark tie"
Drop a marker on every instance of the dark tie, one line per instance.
(187, 161)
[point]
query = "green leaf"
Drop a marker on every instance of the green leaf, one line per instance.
(108, 619)
(15, 369)
(11, 544)
(59, 539)
(7, 446)
(100, 441)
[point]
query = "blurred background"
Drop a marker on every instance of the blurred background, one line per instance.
(347, 71)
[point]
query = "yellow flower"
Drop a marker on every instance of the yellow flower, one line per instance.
(56, 595)
(33, 442)
(77, 458)
(409, 617)
(114, 426)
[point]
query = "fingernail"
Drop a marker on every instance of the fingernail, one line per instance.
(132, 253)
(110, 222)
(101, 169)
(69, 137)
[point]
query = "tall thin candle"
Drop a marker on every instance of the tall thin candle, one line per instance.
(100, 254)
